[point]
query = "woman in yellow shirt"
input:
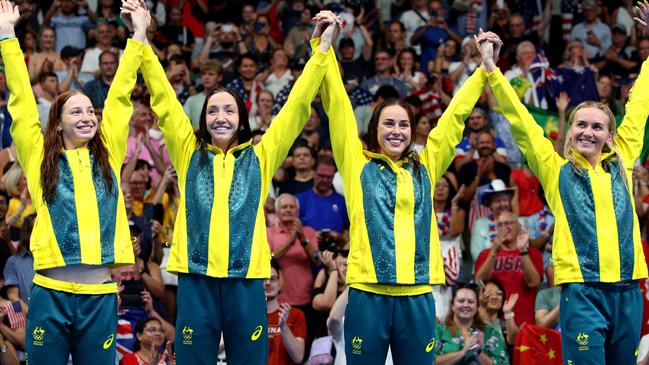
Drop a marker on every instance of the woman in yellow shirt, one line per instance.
(73, 174)
(597, 250)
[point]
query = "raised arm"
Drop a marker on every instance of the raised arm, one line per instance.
(440, 147)
(172, 120)
(290, 121)
(343, 129)
(538, 150)
(26, 127)
(118, 107)
(631, 132)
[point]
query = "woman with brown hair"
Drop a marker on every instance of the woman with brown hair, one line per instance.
(395, 252)
(72, 175)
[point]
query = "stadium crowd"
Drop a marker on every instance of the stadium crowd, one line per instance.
(494, 225)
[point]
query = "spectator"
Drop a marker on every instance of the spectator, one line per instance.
(97, 89)
(463, 338)
(529, 77)
(356, 31)
(406, 70)
(433, 34)
(467, 149)
(221, 45)
(149, 271)
(321, 208)
(459, 71)
(517, 33)
(71, 78)
(105, 34)
(7, 248)
(498, 198)
(311, 132)
(178, 75)
(422, 130)
(70, 27)
(476, 175)
(547, 306)
(296, 43)
(132, 308)
(577, 74)
(472, 15)
(353, 69)
(262, 111)
(20, 202)
(594, 34)
(384, 64)
(293, 246)
(491, 310)
(414, 19)
(450, 224)
(19, 269)
(446, 55)
(261, 44)
(149, 338)
(173, 31)
(396, 37)
(108, 13)
(28, 43)
(211, 76)
(245, 84)
(329, 284)
(616, 60)
(606, 92)
(287, 330)
(49, 83)
(303, 159)
(47, 59)
(278, 75)
(511, 262)
(641, 53)
(248, 17)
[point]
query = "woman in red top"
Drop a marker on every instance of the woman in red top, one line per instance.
(149, 336)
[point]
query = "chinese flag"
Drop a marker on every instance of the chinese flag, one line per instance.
(537, 345)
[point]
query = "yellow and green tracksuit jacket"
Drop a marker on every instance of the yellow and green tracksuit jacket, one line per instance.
(596, 234)
(395, 246)
(85, 223)
(220, 229)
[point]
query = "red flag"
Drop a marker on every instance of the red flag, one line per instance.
(537, 346)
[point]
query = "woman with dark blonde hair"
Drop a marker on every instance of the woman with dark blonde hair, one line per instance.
(395, 252)
(220, 250)
(597, 251)
(73, 174)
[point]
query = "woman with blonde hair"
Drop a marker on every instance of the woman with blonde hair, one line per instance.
(597, 250)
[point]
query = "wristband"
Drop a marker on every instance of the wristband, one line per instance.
(524, 253)
(510, 315)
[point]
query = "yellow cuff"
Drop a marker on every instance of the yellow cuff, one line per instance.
(75, 288)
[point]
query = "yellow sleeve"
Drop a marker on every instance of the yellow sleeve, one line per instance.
(343, 130)
(172, 120)
(630, 134)
(440, 147)
(118, 107)
(290, 121)
(538, 150)
(26, 127)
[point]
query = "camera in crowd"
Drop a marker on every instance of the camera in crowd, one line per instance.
(132, 294)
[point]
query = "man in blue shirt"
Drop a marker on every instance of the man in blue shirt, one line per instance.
(321, 207)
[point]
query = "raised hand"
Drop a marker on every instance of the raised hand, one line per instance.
(489, 45)
(562, 101)
(642, 14)
(510, 303)
(523, 239)
(9, 16)
(327, 26)
(128, 7)
(284, 310)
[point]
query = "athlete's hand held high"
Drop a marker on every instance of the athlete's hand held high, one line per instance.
(327, 24)
(9, 15)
